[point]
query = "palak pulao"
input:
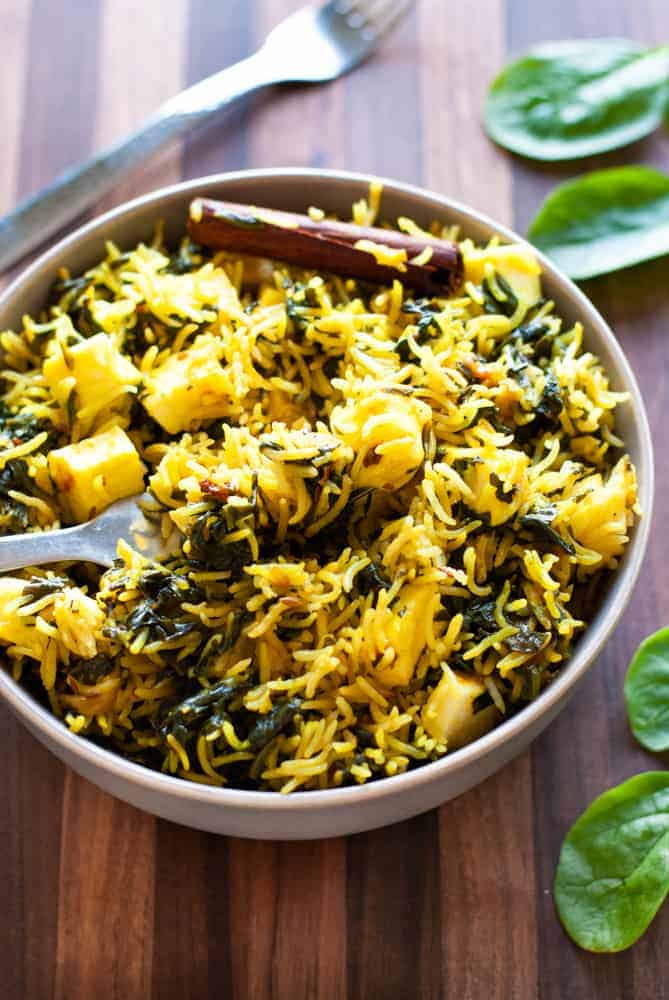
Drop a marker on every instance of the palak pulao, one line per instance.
(394, 512)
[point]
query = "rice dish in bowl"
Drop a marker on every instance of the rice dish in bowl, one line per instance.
(393, 512)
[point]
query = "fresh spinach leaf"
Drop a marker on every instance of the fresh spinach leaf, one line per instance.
(580, 97)
(647, 692)
(604, 221)
(613, 873)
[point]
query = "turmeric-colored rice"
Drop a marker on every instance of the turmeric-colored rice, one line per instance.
(392, 513)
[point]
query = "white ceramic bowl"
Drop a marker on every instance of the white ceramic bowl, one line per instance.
(347, 810)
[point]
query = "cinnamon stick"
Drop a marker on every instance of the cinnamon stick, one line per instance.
(325, 245)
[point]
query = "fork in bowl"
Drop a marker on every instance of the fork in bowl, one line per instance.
(93, 541)
(313, 45)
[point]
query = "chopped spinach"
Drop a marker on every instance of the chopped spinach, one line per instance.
(219, 643)
(270, 725)
(188, 257)
(506, 304)
(539, 522)
(551, 403)
(527, 641)
(14, 515)
(501, 492)
(480, 617)
(22, 426)
(427, 324)
(42, 586)
(158, 613)
(209, 535)
(206, 705)
(92, 671)
(370, 578)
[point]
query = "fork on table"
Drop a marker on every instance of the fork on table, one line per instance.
(313, 45)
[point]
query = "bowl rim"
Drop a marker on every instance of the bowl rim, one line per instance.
(52, 728)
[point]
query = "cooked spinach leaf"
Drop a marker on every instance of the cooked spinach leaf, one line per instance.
(480, 617)
(550, 405)
(270, 725)
(604, 221)
(647, 692)
(14, 515)
(494, 303)
(42, 586)
(527, 641)
(23, 426)
(578, 97)
(160, 613)
(539, 521)
(613, 873)
(207, 704)
(92, 671)
(371, 578)
(210, 541)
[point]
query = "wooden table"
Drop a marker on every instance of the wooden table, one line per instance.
(102, 901)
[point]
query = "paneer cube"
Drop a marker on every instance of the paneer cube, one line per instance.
(407, 633)
(389, 429)
(604, 511)
(190, 387)
(93, 473)
(515, 262)
(449, 714)
(98, 373)
(499, 483)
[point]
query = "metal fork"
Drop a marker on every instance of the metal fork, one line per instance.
(312, 45)
(94, 541)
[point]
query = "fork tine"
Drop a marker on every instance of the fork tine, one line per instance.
(373, 17)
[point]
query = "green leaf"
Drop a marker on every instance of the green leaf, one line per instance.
(613, 873)
(576, 98)
(604, 221)
(647, 692)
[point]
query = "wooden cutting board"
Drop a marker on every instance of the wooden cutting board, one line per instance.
(102, 901)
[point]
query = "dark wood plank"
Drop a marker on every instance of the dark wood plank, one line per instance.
(60, 91)
(128, 94)
(190, 931)
(295, 125)
(30, 838)
(218, 35)
(393, 904)
(458, 50)
(105, 897)
(488, 890)
(310, 958)
(252, 898)
(383, 108)
(15, 19)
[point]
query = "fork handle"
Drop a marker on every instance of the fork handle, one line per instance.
(74, 191)
(40, 548)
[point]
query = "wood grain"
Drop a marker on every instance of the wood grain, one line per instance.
(103, 900)
(105, 913)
